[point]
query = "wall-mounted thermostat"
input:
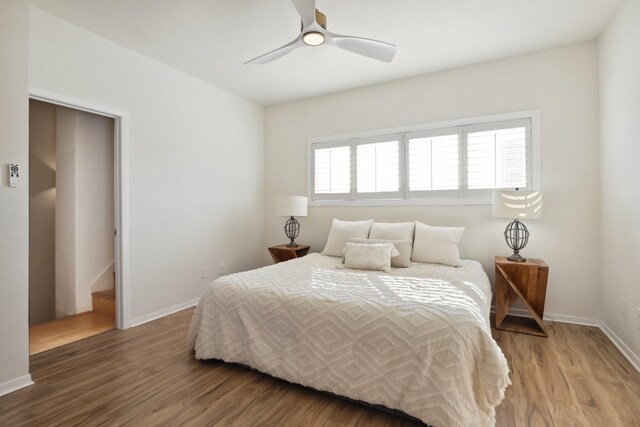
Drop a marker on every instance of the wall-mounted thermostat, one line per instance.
(15, 173)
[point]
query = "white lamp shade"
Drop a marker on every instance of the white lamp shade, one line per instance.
(517, 204)
(291, 206)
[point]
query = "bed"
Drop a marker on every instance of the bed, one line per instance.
(414, 339)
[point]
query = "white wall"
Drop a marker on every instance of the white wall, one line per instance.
(65, 222)
(95, 249)
(85, 208)
(196, 160)
(42, 212)
(561, 83)
(14, 210)
(620, 173)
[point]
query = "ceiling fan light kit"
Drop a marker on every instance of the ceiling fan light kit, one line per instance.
(314, 33)
(313, 38)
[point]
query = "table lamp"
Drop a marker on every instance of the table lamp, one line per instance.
(292, 206)
(517, 205)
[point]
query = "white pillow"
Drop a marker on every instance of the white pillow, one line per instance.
(437, 245)
(392, 231)
(342, 231)
(402, 260)
(368, 256)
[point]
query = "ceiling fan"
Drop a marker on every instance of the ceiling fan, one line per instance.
(314, 33)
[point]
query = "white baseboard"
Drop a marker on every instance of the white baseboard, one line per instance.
(624, 349)
(15, 384)
(164, 312)
(555, 317)
(586, 321)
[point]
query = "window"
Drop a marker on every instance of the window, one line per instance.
(433, 160)
(332, 171)
(449, 163)
(378, 167)
(497, 155)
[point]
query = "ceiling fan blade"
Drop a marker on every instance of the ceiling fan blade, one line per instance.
(307, 11)
(367, 47)
(275, 54)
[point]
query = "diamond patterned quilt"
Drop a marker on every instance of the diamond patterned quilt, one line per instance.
(414, 339)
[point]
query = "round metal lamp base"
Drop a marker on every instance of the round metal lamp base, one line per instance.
(291, 229)
(516, 235)
(516, 257)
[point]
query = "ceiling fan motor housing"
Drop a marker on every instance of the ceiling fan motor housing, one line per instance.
(321, 19)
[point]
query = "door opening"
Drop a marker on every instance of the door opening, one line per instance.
(73, 262)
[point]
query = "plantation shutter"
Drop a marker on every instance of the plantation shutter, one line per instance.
(498, 155)
(433, 163)
(378, 167)
(331, 165)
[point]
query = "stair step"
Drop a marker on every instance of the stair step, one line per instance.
(110, 294)
(104, 302)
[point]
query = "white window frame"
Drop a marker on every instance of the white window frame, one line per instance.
(505, 124)
(311, 168)
(462, 197)
(386, 195)
(443, 195)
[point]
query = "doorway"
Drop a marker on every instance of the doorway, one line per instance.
(72, 247)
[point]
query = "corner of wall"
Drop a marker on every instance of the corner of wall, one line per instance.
(619, 112)
(14, 210)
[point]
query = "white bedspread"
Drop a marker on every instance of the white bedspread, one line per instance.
(415, 339)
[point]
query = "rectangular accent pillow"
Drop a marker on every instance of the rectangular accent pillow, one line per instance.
(393, 231)
(437, 245)
(341, 232)
(371, 256)
(402, 260)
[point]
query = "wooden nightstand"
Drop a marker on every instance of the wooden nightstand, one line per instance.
(282, 253)
(527, 281)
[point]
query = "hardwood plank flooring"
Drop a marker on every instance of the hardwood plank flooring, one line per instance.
(148, 376)
(48, 335)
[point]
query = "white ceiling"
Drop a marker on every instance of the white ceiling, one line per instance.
(211, 39)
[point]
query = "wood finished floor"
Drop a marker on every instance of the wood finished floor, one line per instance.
(48, 335)
(147, 376)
